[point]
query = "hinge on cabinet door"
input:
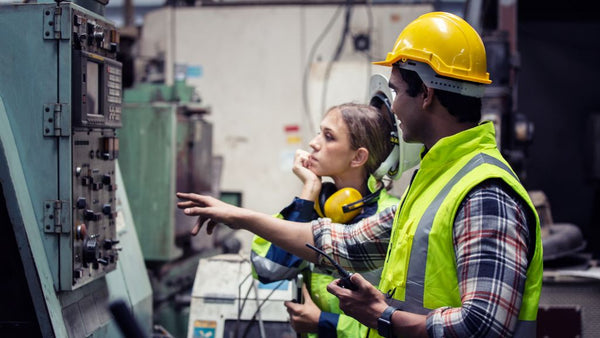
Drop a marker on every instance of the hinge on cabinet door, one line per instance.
(53, 24)
(55, 218)
(54, 123)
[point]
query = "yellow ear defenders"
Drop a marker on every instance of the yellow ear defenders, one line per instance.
(341, 205)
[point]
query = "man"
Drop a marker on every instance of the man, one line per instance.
(464, 255)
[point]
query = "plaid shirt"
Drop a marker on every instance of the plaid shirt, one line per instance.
(491, 240)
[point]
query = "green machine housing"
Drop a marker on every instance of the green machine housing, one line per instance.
(60, 112)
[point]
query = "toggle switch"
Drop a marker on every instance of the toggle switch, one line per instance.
(87, 180)
(109, 243)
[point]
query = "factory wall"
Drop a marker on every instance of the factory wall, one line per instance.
(248, 64)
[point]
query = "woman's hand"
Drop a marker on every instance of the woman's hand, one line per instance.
(208, 209)
(304, 318)
(311, 182)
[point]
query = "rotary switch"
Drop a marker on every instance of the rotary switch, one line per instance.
(90, 250)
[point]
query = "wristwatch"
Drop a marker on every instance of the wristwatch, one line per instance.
(384, 323)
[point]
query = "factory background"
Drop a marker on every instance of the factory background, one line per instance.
(215, 97)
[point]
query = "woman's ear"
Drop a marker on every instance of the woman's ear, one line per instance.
(360, 158)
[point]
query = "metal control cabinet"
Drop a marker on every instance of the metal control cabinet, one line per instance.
(60, 114)
(62, 91)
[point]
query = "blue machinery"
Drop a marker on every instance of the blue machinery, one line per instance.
(67, 239)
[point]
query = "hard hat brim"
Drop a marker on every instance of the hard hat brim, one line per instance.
(382, 63)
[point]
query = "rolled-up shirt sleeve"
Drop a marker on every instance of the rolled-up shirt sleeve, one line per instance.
(357, 247)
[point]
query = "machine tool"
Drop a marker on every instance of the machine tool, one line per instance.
(69, 241)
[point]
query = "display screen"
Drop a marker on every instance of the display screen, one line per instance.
(93, 88)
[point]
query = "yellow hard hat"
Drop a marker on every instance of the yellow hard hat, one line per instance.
(447, 43)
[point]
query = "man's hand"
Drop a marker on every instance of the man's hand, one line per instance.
(207, 209)
(364, 304)
(304, 317)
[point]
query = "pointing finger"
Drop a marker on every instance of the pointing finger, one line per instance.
(197, 226)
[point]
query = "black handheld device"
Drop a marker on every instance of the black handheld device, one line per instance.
(345, 281)
(299, 282)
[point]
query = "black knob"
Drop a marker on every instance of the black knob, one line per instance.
(106, 179)
(89, 215)
(107, 209)
(81, 203)
(90, 250)
(102, 261)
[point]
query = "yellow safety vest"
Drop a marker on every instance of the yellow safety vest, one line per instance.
(317, 280)
(420, 269)
(347, 326)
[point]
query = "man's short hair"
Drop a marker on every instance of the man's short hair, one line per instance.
(464, 108)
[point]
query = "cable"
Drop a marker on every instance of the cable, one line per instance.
(260, 306)
(311, 55)
(367, 53)
(337, 53)
(242, 304)
(261, 326)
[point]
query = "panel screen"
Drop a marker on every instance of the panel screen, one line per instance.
(93, 88)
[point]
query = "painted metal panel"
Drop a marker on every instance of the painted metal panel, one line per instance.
(147, 160)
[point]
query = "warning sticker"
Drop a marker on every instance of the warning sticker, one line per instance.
(205, 328)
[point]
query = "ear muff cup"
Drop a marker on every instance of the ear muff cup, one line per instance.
(327, 189)
(331, 203)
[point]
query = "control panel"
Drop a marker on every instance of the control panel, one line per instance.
(96, 117)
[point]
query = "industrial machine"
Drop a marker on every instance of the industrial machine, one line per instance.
(64, 217)
(233, 304)
(166, 146)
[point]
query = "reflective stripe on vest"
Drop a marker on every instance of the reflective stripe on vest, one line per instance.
(266, 267)
(415, 279)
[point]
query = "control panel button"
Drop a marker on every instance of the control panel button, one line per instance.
(81, 203)
(106, 179)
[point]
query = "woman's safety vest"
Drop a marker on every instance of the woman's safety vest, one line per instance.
(420, 271)
(317, 279)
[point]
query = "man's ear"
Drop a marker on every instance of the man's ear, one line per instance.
(360, 158)
(427, 96)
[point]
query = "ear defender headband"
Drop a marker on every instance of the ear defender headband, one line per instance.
(381, 98)
(342, 205)
(403, 155)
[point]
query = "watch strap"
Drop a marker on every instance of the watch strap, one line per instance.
(384, 322)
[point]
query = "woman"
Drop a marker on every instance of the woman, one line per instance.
(348, 149)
